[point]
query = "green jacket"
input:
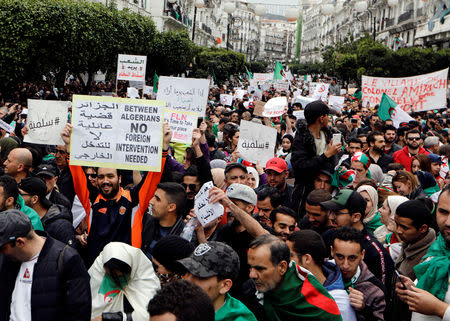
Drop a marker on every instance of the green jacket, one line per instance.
(34, 217)
(233, 309)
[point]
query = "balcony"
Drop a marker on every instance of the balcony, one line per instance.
(405, 16)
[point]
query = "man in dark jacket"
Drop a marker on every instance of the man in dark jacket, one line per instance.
(312, 150)
(50, 174)
(56, 219)
(40, 278)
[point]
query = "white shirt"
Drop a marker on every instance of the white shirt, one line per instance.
(321, 143)
(21, 296)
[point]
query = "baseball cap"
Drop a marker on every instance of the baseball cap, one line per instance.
(276, 164)
(346, 198)
(435, 158)
(36, 186)
(230, 166)
(211, 259)
(314, 110)
(47, 170)
(13, 224)
(242, 192)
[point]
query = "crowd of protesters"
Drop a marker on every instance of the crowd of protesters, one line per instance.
(352, 230)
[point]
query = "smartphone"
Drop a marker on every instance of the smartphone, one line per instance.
(336, 139)
(400, 279)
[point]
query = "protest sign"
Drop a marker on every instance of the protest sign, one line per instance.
(148, 90)
(336, 101)
(184, 94)
(226, 100)
(132, 92)
(417, 93)
(258, 94)
(308, 78)
(259, 107)
(117, 133)
(205, 211)
(256, 142)
(46, 119)
(182, 125)
(130, 67)
(239, 94)
(262, 77)
(351, 91)
(303, 101)
(300, 114)
(281, 85)
(343, 92)
(275, 107)
(5, 126)
(321, 91)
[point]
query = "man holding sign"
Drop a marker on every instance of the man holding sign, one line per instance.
(116, 214)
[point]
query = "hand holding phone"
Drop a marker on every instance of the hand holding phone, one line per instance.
(336, 139)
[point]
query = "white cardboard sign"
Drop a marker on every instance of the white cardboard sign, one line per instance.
(226, 100)
(275, 107)
(256, 142)
(205, 211)
(130, 67)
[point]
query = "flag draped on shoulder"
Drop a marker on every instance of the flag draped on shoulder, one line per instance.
(390, 110)
(300, 297)
(278, 74)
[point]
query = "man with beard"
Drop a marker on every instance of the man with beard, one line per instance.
(390, 133)
(277, 174)
(283, 220)
(429, 299)
(116, 214)
(405, 155)
(376, 153)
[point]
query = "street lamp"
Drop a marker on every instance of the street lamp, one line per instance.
(198, 4)
(229, 8)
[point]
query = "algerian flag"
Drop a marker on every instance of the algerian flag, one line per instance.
(357, 96)
(155, 83)
(278, 74)
(250, 76)
(390, 110)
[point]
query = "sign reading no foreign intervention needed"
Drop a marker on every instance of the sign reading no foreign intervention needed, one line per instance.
(117, 133)
(130, 67)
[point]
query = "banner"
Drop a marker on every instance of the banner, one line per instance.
(131, 67)
(262, 77)
(256, 142)
(275, 107)
(117, 133)
(226, 100)
(45, 121)
(182, 125)
(281, 85)
(336, 101)
(417, 93)
(184, 94)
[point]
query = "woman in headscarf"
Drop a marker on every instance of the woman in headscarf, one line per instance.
(371, 216)
(252, 177)
(122, 283)
(386, 232)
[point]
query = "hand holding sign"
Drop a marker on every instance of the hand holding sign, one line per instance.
(275, 107)
(205, 209)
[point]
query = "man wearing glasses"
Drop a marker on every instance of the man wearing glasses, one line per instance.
(347, 208)
(65, 181)
(405, 155)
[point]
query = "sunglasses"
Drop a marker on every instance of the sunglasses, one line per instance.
(92, 175)
(192, 187)
(414, 138)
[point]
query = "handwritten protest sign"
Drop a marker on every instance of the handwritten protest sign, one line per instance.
(336, 101)
(205, 211)
(182, 125)
(117, 133)
(148, 90)
(321, 91)
(256, 142)
(130, 67)
(275, 107)
(417, 93)
(226, 100)
(351, 91)
(261, 77)
(46, 119)
(258, 107)
(300, 114)
(239, 94)
(184, 94)
(281, 85)
(5, 126)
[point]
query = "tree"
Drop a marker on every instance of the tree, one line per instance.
(257, 66)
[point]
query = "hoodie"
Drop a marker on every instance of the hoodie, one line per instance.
(58, 224)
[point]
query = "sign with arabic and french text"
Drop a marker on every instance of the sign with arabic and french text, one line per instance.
(184, 94)
(130, 67)
(256, 142)
(182, 125)
(46, 119)
(205, 211)
(117, 133)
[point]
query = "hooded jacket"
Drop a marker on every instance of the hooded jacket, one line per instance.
(405, 158)
(33, 216)
(58, 224)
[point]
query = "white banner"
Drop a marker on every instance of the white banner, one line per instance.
(226, 100)
(182, 125)
(130, 67)
(117, 133)
(281, 85)
(46, 119)
(262, 77)
(417, 93)
(275, 107)
(184, 94)
(256, 142)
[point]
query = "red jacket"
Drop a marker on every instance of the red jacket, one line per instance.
(403, 157)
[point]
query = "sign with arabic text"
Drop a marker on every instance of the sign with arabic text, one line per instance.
(130, 67)
(256, 142)
(117, 133)
(46, 119)
(205, 211)
(184, 94)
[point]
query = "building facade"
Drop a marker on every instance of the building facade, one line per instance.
(278, 39)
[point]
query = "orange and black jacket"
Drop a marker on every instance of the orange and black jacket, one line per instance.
(118, 219)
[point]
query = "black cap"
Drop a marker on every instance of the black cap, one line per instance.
(230, 166)
(36, 186)
(47, 170)
(346, 198)
(314, 110)
(13, 224)
(171, 248)
(211, 259)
